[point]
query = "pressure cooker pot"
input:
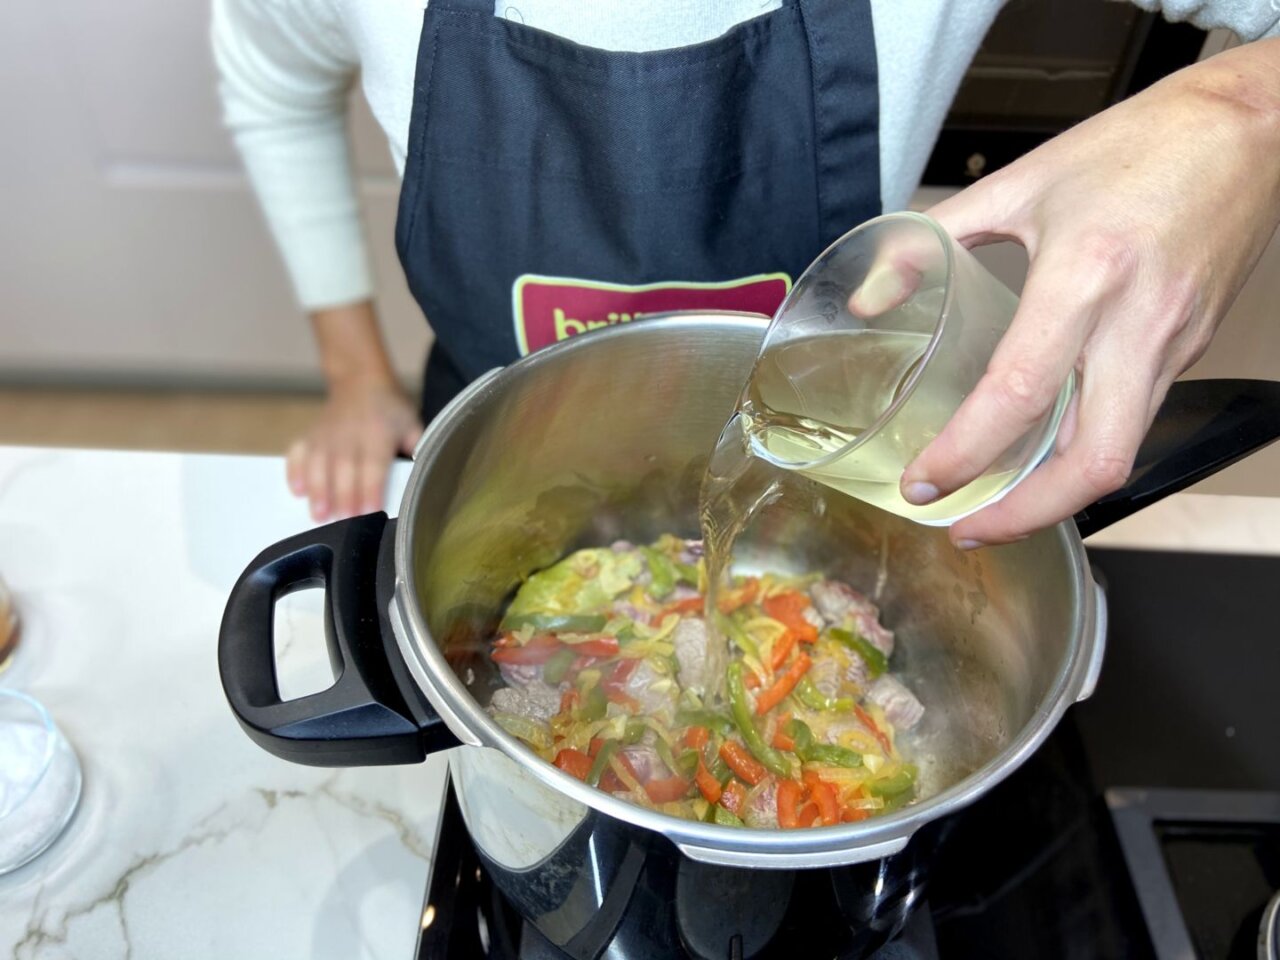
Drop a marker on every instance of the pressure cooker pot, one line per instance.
(605, 436)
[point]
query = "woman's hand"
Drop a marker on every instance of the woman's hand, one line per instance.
(341, 464)
(1141, 224)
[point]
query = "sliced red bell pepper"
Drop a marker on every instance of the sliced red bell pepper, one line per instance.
(615, 684)
(707, 784)
(696, 737)
(734, 797)
(731, 600)
(782, 741)
(687, 605)
(602, 646)
(808, 814)
(790, 793)
(866, 720)
(574, 762)
(782, 649)
(824, 795)
(768, 699)
(539, 649)
(788, 609)
(666, 790)
(742, 763)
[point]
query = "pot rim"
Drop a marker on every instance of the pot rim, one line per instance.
(824, 845)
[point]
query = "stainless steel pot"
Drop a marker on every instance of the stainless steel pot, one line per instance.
(605, 436)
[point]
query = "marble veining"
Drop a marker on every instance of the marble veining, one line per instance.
(48, 924)
(190, 840)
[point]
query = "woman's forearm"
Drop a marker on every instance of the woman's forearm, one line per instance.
(352, 351)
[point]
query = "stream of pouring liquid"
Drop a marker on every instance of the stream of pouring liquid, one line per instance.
(735, 487)
(796, 395)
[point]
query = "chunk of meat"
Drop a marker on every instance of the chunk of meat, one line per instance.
(868, 624)
(843, 606)
(521, 674)
(691, 552)
(645, 762)
(899, 704)
(761, 808)
(625, 608)
(690, 640)
(835, 728)
(534, 701)
(655, 693)
(825, 675)
(856, 672)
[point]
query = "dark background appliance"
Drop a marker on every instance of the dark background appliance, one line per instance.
(1044, 66)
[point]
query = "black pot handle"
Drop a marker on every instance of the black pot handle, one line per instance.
(372, 714)
(1202, 427)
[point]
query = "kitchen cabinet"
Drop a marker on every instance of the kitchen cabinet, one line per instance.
(131, 247)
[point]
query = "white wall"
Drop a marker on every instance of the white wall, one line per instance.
(130, 246)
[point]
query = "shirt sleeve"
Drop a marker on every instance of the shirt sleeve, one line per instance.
(1249, 19)
(285, 69)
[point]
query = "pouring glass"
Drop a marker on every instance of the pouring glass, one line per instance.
(873, 350)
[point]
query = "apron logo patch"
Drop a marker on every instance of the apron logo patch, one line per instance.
(549, 309)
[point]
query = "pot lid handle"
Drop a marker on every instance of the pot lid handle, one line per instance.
(1202, 427)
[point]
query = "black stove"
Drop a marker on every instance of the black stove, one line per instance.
(1146, 826)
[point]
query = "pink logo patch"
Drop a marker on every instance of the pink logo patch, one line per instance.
(549, 309)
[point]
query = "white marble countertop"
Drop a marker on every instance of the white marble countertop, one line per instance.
(191, 841)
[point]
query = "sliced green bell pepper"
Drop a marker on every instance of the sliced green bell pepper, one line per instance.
(558, 665)
(772, 759)
(662, 573)
(601, 763)
(814, 699)
(726, 818)
(876, 661)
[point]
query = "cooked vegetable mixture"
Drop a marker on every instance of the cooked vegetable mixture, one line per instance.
(605, 656)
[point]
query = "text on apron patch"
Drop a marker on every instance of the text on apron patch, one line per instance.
(547, 310)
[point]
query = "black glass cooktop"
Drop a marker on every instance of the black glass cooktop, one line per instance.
(1147, 826)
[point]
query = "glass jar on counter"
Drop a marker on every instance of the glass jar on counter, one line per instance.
(9, 626)
(40, 780)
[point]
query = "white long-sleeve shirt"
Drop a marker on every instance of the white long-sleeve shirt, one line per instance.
(286, 67)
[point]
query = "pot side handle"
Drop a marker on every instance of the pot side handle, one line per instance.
(1202, 427)
(756, 860)
(1093, 669)
(366, 717)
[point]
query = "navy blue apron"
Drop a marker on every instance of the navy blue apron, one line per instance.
(551, 189)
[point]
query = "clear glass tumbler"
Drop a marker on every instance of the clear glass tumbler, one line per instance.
(39, 780)
(874, 349)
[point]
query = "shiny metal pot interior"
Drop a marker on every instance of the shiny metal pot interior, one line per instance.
(605, 436)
